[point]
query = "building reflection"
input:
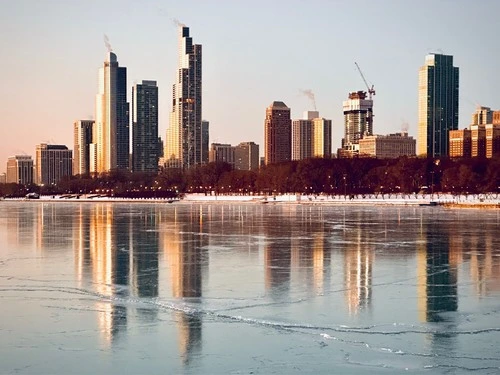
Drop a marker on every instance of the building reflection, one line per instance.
(118, 254)
(184, 241)
(21, 226)
(436, 273)
(310, 255)
(277, 252)
(358, 264)
(53, 229)
(437, 284)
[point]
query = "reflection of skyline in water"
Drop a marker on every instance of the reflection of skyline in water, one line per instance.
(184, 243)
(116, 250)
(358, 263)
(119, 256)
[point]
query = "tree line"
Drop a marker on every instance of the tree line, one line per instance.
(311, 176)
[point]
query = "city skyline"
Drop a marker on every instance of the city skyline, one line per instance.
(52, 72)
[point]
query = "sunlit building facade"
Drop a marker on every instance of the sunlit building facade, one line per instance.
(20, 170)
(82, 133)
(322, 138)
(111, 132)
(184, 143)
(438, 90)
(358, 120)
(52, 163)
(460, 143)
(302, 139)
(221, 152)
(389, 146)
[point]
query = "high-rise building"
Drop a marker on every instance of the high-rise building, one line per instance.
(358, 120)
(277, 134)
(145, 127)
(389, 146)
(302, 139)
(221, 152)
(482, 116)
(52, 163)
(496, 117)
(111, 132)
(20, 170)
(246, 156)
(478, 140)
(437, 105)
(184, 135)
(492, 140)
(205, 139)
(3, 178)
(322, 138)
(460, 143)
(83, 130)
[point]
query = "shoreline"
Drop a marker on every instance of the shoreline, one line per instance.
(444, 200)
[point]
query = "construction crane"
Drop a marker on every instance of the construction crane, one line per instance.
(371, 90)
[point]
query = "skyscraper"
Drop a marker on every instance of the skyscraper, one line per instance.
(302, 139)
(111, 135)
(277, 133)
(52, 163)
(358, 120)
(437, 105)
(322, 138)
(145, 127)
(184, 135)
(83, 130)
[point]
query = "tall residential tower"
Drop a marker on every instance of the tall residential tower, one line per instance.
(437, 105)
(277, 133)
(82, 132)
(184, 143)
(358, 120)
(145, 127)
(111, 135)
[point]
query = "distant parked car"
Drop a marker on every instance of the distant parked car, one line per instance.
(32, 196)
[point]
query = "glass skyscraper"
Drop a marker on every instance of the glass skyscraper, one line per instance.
(145, 127)
(437, 105)
(184, 143)
(111, 135)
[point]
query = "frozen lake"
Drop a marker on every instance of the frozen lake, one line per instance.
(235, 288)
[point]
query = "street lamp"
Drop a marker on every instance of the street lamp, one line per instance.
(345, 186)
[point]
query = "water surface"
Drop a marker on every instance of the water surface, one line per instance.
(121, 288)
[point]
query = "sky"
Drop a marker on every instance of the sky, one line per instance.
(254, 52)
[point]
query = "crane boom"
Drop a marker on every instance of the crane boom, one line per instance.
(371, 90)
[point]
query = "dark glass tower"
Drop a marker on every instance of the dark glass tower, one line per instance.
(437, 105)
(145, 127)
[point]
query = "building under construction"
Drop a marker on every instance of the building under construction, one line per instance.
(358, 120)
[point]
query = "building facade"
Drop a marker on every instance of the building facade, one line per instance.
(302, 139)
(277, 134)
(111, 132)
(52, 163)
(322, 138)
(438, 90)
(184, 134)
(82, 133)
(460, 143)
(205, 139)
(358, 120)
(221, 152)
(389, 146)
(20, 170)
(246, 156)
(145, 127)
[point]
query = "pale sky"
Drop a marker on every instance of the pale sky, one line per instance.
(254, 52)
